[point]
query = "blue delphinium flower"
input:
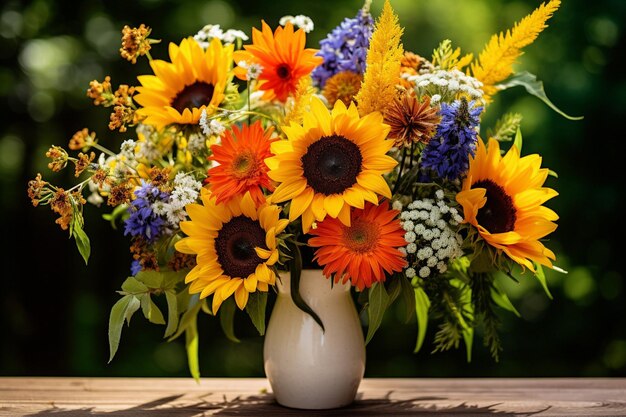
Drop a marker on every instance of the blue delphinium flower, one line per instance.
(143, 222)
(345, 48)
(447, 153)
(135, 267)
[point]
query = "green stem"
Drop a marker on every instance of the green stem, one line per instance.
(395, 187)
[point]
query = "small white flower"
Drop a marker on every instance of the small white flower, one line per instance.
(424, 272)
(286, 19)
(431, 262)
(411, 248)
(254, 71)
(402, 251)
(304, 22)
(409, 237)
(128, 148)
(148, 151)
(232, 35)
(439, 194)
(410, 273)
(94, 198)
(408, 225)
(442, 267)
(159, 208)
(397, 205)
(196, 143)
(404, 215)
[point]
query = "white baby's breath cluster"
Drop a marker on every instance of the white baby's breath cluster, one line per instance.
(301, 21)
(253, 69)
(196, 143)
(210, 126)
(210, 32)
(186, 191)
(445, 85)
(432, 241)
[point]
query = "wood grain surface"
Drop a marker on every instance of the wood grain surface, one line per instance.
(117, 397)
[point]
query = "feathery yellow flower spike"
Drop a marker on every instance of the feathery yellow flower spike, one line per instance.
(383, 63)
(495, 62)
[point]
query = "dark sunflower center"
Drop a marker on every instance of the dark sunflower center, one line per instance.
(235, 245)
(498, 215)
(332, 164)
(192, 96)
(283, 71)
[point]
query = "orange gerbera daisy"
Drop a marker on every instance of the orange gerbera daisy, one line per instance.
(363, 252)
(283, 58)
(241, 157)
(503, 198)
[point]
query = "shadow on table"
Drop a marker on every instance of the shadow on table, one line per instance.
(265, 405)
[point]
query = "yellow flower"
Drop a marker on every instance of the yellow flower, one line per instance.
(502, 197)
(194, 80)
(334, 161)
(235, 246)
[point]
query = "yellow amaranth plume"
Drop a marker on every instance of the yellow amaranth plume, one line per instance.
(495, 62)
(383, 64)
(301, 101)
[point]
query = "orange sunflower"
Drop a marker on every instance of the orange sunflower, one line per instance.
(283, 59)
(364, 252)
(194, 80)
(241, 158)
(503, 198)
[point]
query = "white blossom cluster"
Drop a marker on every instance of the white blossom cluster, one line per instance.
(301, 21)
(186, 190)
(210, 126)
(445, 85)
(210, 32)
(196, 143)
(147, 150)
(430, 234)
(253, 69)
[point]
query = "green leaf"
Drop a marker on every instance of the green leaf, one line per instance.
(150, 310)
(502, 300)
(256, 310)
(152, 279)
(468, 338)
(377, 304)
(394, 288)
(191, 345)
(467, 331)
(227, 319)
(422, 304)
(408, 298)
(189, 316)
(132, 286)
(295, 269)
(172, 278)
(534, 87)
(118, 213)
(82, 242)
(132, 308)
(172, 313)
(553, 174)
(541, 276)
(116, 321)
(518, 140)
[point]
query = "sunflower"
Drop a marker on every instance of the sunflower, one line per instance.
(283, 58)
(335, 160)
(363, 252)
(241, 158)
(502, 197)
(235, 247)
(194, 80)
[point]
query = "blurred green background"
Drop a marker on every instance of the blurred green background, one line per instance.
(54, 310)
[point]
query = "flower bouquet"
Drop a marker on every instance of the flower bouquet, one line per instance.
(250, 163)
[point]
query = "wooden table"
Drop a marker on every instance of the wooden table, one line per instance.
(118, 397)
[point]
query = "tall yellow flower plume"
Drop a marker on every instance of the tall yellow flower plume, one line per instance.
(495, 62)
(301, 101)
(383, 64)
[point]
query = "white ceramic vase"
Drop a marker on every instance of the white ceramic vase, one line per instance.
(309, 368)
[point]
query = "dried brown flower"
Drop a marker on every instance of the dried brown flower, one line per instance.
(60, 204)
(100, 177)
(101, 93)
(59, 158)
(180, 261)
(83, 162)
(342, 86)
(82, 140)
(412, 121)
(410, 65)
(159, 176)
(35, 188)
(135, 42)
(119, 194)
(142, 253)
(122, 117)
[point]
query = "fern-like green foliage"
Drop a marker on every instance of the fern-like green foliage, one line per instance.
(505, 127)
(447, 58)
